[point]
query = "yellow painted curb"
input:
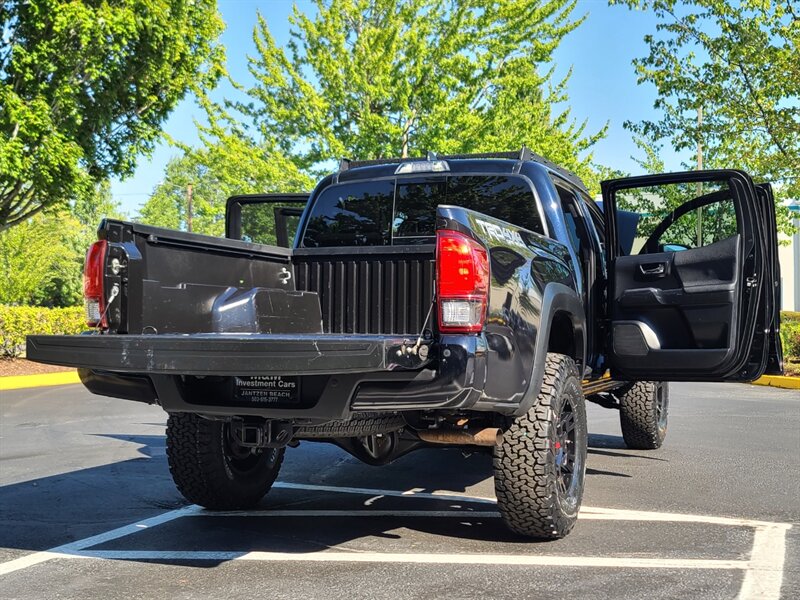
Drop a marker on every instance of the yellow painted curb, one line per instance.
(16, 382)
(779, 381)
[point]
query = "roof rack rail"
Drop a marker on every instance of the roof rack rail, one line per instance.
(523, 154)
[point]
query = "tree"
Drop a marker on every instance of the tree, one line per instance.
(40, 262)
(26, 259)
(226, 163)
(739, 65)
(41, 259)
(85, 87)
(380, 78)
(713, 222)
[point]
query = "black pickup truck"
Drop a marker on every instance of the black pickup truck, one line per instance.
(473, 300)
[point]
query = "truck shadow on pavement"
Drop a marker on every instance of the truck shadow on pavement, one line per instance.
(603, 445)
(44, 513)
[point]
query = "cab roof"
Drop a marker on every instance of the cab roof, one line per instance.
(502, 162)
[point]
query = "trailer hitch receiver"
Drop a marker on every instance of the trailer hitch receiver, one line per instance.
(262, 434)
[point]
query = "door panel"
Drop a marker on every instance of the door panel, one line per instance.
(683, 295)
(687, 305)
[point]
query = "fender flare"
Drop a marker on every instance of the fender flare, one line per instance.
(557, 297)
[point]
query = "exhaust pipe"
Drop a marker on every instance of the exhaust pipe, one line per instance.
(491, 436)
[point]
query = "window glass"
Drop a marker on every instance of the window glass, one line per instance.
(506, 198)
(596, 214)
(259, 221)
(361, 213)
(674, 217)
(571, 218)
(415, 207)
(353, 214)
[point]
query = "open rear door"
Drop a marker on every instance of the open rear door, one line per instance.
(270, 219)
(692, 297)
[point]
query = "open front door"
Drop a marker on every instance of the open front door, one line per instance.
(690, 277)
(772, 289)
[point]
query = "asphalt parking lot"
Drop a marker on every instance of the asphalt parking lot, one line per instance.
(89, 511)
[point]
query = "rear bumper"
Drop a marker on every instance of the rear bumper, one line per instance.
(340, 374)
(225, 354)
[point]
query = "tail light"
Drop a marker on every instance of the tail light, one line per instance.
(462, 280)
(93, 292)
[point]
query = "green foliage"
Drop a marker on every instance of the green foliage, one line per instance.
(790, 335)
(259, 226)
(85, 87)
(654, 204)
(31, 254)
(738, 63)
(378, 78)
(16, 322)
(41, 259)
(227, 163)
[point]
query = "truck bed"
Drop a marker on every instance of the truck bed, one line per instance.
(187, 283)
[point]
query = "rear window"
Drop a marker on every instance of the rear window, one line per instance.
(353, 214)
(403, 211)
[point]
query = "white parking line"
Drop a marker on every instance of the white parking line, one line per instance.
(587, 512)
(415, 493)
(762, 579)
(426, 558)
(36, 558)
(765, 576)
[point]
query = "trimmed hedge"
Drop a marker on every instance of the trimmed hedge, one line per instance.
(790, 333)
(16, 322)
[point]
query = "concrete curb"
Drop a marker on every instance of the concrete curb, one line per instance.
(18, 382)
(779, 381)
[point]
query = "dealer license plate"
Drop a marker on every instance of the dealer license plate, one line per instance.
(269, 390)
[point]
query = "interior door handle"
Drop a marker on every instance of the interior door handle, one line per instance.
(653, 269)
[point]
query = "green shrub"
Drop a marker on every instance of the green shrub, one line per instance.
(16, 322)
(790, 334)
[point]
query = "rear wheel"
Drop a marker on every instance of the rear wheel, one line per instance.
(539, 468)
(211, 469)
(643, 412)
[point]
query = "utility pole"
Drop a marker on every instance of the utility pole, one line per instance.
(189, 194)
(699, 191)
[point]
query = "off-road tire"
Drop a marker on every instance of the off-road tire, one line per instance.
(644, 426)
(526, 468)
(206, 470)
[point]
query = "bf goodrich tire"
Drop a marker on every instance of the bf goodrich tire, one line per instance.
(211, 470)
(643, 412)
(540, 467)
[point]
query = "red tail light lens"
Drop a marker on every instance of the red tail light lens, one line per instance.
(93, 292)
(462, 279)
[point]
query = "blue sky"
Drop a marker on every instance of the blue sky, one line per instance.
(602, 89)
